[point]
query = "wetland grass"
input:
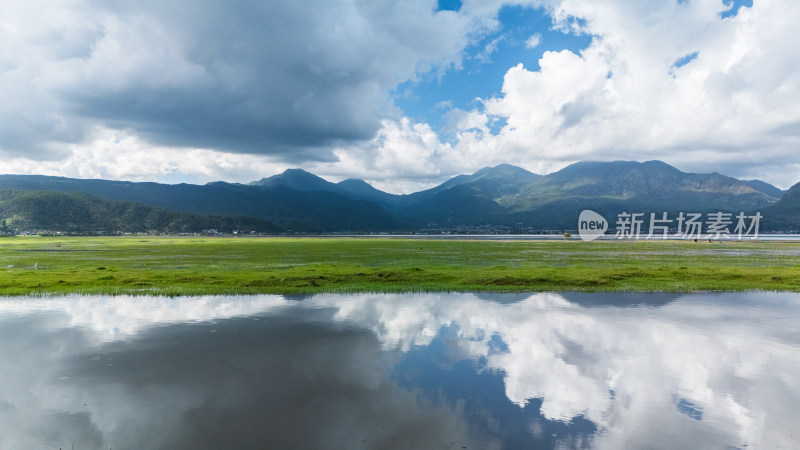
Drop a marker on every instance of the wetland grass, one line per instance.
(199, 266)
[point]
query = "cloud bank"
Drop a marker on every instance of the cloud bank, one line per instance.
(222, 90)
(276, 77)
(661, 80)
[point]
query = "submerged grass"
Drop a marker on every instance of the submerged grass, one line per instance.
(198, 266)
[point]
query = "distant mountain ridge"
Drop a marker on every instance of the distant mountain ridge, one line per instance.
(785, 215)
(763, 186)
(79, 212)
(613, 187)
(288, 209)
(504, 195)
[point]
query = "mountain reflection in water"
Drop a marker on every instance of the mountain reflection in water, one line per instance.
(571, 370)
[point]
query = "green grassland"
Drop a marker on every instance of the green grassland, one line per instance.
(196, 266)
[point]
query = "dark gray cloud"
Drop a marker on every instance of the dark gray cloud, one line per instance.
(275, 77)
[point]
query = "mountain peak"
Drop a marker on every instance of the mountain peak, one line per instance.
(354, 182)
(793, 194)
(297, 179)
(297, 174)
(620, 165)
(763, 186)
(503, 173)
(504, 170)
(357, 186)
(362, 189)
(503, 179)
(607, 170)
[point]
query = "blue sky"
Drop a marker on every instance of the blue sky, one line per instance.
(482, 71)
(484, 65)
(401, 94)
(735, 5)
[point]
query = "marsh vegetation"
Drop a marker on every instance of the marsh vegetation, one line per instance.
(193, 266)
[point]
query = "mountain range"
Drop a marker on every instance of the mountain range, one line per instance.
(78, 212)
(501, 196)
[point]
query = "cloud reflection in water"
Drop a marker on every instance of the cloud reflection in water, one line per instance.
(399, 371)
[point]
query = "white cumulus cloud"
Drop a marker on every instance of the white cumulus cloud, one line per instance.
(311, 86)
(731, 108)
(533, 41)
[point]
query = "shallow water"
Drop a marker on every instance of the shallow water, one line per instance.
(571, 370)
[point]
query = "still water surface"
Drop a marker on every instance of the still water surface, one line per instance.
(478, 371)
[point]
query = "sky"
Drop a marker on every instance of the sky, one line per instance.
(402, 94)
